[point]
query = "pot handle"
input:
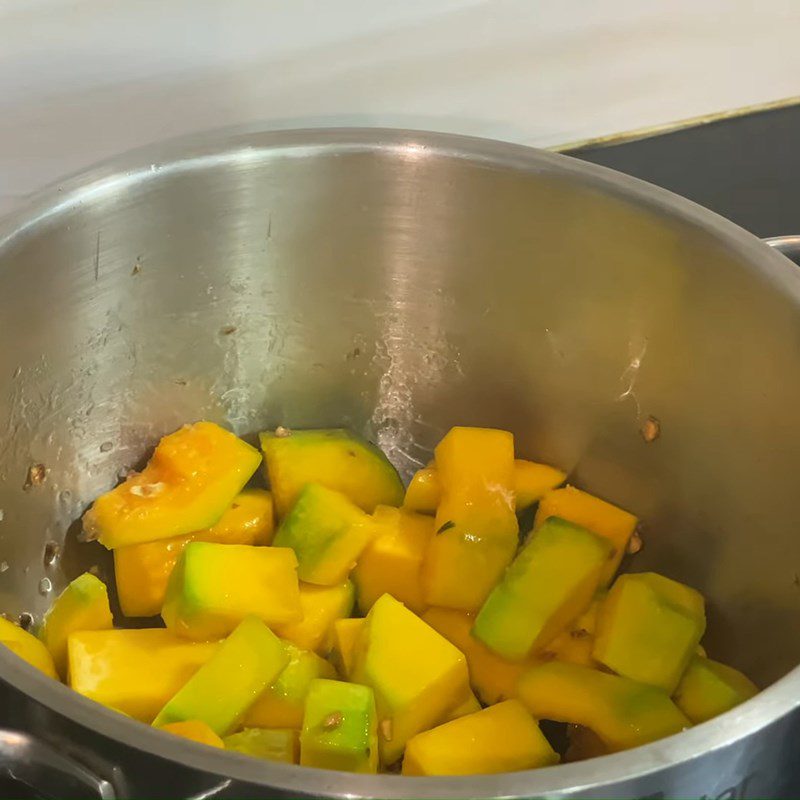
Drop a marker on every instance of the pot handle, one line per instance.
(787, 245)
(36, 764)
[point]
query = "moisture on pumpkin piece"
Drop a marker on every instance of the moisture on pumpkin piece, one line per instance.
(227, 685)
(215, 586)
(27, 647)
(392, 561)
(551, 581)
(142, 570)
(282, 704)
(327, 532)
(194, 730)
(321, 606)
(271, 744)
(345, 636)
(340, 729)
(709, 688)
(622, 712)
(335, 458)
(417, 675)
(531, 482)
(501, 738)
(191, 479)
(648, 629)
(133, 671)
(423, 492)
(82, 606)
(476, 527)
(590, 512)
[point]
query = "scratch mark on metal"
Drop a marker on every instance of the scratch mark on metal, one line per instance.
(631, 374)
(97, 259)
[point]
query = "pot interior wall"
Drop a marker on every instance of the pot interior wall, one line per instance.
(401, 291)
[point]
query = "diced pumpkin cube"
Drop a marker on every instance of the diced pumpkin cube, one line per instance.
(222, 690)
(469, 705)
(27, 647)
(215, 586)
(335, 458)
(339, 727)
(531, 482)
(502, 738)
(133, 671)
(709, 688)
(191, 479)
(648, 629)
(423, 492)
(492, 677)
(679, 594)
(392, 561)
(622, 712)
(82, 606)
(37, 655)
(550, 583)
(417, 675)
(282, 704)
(194, 730)
(577, 642)
(250, 519)
(142, 570)
(321, 606)
(476, 527)
(590, 512)
(327, 532)
(345, 636)
(275, 744)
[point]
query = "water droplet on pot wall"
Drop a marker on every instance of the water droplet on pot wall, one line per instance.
(51, 553)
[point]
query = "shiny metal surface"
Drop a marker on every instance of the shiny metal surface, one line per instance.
(402, 282)
(33, 763)
(788, 245)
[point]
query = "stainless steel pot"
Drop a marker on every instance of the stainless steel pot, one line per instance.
(401, 282)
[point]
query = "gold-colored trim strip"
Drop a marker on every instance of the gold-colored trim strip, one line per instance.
(670, 127)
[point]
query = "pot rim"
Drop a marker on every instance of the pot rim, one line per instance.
(243, 144)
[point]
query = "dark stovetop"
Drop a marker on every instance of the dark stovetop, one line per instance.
(745, 168)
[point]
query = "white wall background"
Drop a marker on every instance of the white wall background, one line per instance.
(83, 79)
